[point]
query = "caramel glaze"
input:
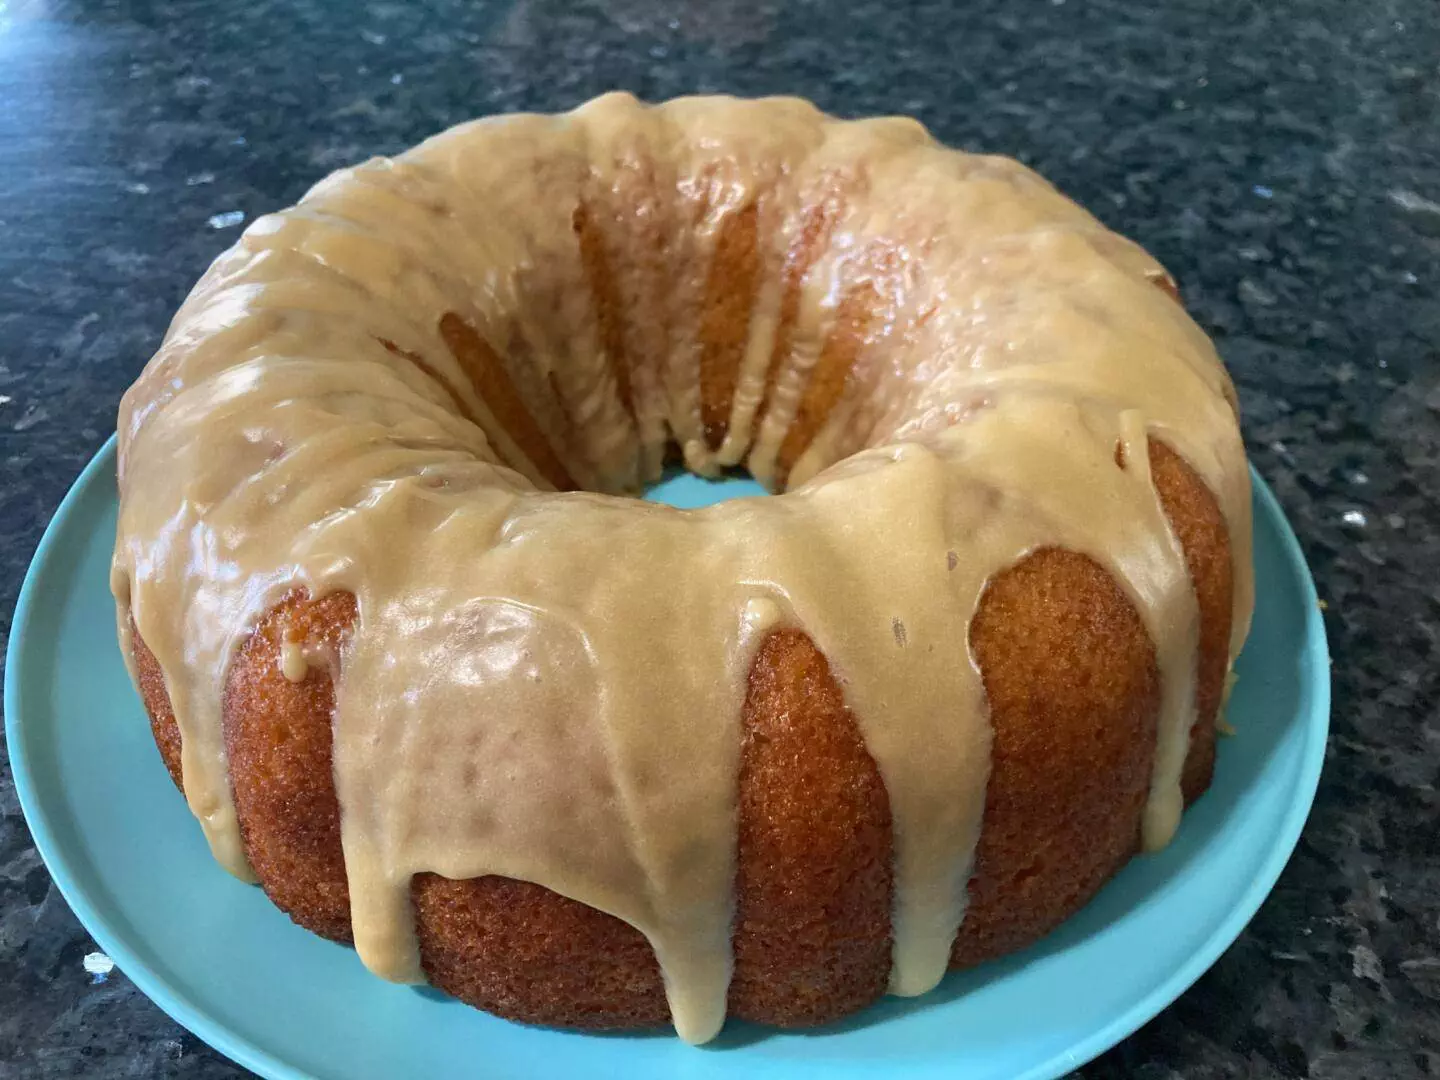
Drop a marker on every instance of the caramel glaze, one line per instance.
(547, 699)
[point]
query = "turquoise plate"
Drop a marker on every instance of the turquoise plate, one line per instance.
(218, 958)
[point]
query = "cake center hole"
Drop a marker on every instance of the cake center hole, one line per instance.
(690, 492)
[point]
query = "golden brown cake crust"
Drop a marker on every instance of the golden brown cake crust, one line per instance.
(813, 887)
(1074, 692)
(725, 321)
(151, 681)
(278, 739)
(1070, 674)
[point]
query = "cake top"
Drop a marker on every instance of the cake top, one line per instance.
(943, 362)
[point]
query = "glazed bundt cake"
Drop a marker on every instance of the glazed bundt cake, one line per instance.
(584, 760)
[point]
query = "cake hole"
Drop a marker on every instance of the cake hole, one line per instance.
(690, 492)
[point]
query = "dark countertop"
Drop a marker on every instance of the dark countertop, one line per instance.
(1285, 164)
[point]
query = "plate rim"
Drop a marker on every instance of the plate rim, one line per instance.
(248, 1054)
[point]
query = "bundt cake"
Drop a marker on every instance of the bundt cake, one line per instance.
(579, 759)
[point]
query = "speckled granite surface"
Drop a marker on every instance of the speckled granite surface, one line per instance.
(1283, 160)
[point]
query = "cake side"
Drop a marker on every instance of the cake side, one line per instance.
(1073, 691)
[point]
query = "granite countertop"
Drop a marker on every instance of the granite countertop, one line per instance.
(1285, 164)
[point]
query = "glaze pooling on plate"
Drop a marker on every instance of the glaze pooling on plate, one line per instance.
(335, 407)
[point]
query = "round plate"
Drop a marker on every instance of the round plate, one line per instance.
(216, 956)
